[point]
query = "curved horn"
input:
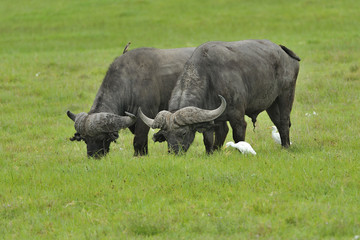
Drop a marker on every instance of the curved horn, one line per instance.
(160, 121)
(145, 119)
(96, 123)
(71, 115)
(130, 115)
(192, 115)
(128, 120)
(107, 122)
(80, 120)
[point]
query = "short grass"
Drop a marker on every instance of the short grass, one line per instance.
(53, 57)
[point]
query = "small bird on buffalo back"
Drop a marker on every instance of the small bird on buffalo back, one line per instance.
(242, 146)
(126, 47)
(276, 135)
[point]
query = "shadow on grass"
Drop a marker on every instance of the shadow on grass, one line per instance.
(147, 225)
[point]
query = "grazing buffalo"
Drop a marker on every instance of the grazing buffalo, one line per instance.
(143, 77)
(252, 75)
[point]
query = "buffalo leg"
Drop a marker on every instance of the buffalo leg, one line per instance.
(132, 129)
(221, 132)
(285, 106)
(280, 120)
(208, 138)
(239, 128)
(140, 142)
(274, 113)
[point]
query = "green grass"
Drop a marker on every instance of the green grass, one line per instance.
(53, 57)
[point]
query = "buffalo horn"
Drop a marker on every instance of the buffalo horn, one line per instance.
(145, 119)
(96, 123)
(160, 121)
(107, 122)
(71, 115)
(192, 115)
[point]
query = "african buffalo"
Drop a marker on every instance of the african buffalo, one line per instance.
(252, 75)
(143, 77)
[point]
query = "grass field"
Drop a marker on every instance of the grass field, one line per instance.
(53, 57)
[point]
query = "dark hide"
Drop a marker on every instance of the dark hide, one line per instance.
(143, 78)
(252, 75)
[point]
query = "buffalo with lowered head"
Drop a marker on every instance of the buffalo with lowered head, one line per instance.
(143, 77)
(252, 76)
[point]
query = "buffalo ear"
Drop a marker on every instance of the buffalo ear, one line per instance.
(159, 136)
(202, 127)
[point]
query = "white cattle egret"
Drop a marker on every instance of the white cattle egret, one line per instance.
(242, 146)
(276, 135)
